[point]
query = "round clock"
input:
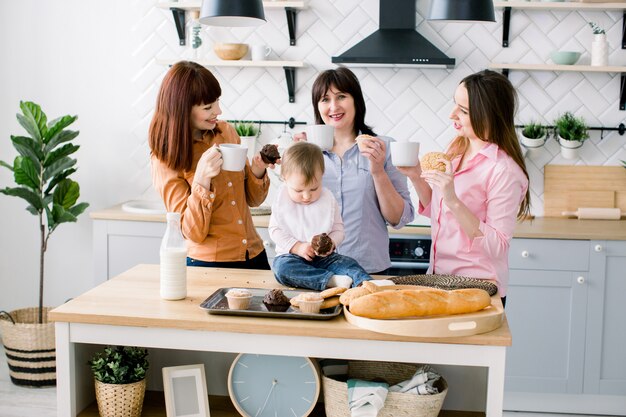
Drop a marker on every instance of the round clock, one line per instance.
(273, 386)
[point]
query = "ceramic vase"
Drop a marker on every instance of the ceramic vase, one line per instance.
(569, 148)
(599, 50)
(250, 143)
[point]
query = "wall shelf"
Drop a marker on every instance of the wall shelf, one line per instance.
(288, 66)
(538, 5)
(569, 68)
(179, 8)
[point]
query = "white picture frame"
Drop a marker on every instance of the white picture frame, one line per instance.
(185, 391)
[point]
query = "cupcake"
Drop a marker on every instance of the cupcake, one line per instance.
(269, 154)
(239, 298)
(310, 302)
(276, 300)
(322, 244)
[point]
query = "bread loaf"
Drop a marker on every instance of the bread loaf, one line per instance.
(419, 302)
(353, 293)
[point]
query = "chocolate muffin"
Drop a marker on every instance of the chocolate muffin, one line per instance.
(269, 154)
(322, 244)
(276, 300)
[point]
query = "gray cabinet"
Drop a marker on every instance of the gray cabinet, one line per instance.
(119, 245)
(567, 320)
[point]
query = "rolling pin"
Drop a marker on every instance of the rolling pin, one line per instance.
(596, 213)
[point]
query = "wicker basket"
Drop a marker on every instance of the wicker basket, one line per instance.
(29, 347)
(120, 400)
(396, 404)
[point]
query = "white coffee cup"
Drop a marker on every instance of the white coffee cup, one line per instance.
(404, 154)
(260, 52)
(321, 135)
(234, 156)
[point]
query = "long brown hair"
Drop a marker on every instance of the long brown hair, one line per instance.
(185, 85)
(492, 106)
(345, 81)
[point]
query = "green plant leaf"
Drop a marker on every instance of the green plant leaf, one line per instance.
(31, 198)
(58, 178)
(4, 164)
(33, 120)
(27, 147)
(60, 215)
(57, 167)
(78, 209)
(59, 153)
(66, 193)
(57, 125)
(61, 137)
(26, 173)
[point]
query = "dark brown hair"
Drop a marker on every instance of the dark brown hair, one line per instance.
(492, 105)
(345, 81)
(185, 85)
(304, 158)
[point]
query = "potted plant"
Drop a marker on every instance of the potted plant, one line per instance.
(41, 172)
(120, 380)
(599, 46)
(571, 132)
(247, 132)
(533, 135)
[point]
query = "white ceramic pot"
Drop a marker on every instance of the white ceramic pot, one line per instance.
(599, 50)
(569, 148)
(250, 143)
(532, 143)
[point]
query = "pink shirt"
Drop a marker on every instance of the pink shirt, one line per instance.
(492, 186)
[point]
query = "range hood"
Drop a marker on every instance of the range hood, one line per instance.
(396, 42)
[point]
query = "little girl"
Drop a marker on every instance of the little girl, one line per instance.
(302, 210)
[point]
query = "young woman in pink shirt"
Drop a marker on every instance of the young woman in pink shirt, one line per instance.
(475, 203)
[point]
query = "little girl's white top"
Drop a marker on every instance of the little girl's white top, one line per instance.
(292, 222)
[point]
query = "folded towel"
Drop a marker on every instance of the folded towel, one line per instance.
(366, 398)
(421, 383)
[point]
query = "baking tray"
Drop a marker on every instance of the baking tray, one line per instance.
(217, 303)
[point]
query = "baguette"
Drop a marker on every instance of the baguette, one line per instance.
(353, 293)
(417, 303)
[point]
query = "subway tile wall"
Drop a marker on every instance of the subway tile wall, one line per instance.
(404, 103)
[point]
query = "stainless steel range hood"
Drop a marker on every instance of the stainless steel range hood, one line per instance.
(396, 42)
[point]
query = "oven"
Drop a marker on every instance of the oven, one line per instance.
(410, 254)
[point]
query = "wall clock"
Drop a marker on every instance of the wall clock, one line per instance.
(273, 386)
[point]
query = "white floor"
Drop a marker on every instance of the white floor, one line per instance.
(41, 402)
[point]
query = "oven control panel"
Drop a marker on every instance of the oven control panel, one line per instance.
(409, 249)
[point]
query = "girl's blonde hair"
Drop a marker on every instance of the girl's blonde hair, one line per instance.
(304, 158)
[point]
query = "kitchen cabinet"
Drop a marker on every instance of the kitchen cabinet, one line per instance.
(566, 317)
(119, 245)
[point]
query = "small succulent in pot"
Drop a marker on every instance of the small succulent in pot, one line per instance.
(246, 129)
(120, 365)
(571, 131)
(533, 135)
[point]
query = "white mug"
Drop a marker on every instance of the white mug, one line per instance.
(260, 52)
(404, 154)
(321, 135)
(234, 156)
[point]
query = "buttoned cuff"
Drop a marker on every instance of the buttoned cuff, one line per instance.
(203, 193)
(407, 216)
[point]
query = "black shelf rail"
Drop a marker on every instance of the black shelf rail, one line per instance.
(291, 122)
(621, 129)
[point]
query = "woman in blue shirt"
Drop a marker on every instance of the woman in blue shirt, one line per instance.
(370, 191)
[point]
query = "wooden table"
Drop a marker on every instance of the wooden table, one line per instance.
(127, 310)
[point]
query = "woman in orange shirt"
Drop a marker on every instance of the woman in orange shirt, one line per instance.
(186, 171)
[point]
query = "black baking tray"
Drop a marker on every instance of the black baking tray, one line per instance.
(217, 303)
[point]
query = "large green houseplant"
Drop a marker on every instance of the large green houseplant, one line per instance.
(41, 172)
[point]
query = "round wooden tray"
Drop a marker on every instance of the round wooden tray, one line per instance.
(482, 321)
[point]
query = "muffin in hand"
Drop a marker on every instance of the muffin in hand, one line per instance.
(322, 244)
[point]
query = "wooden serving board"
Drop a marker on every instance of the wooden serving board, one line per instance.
(566, 188)
(468, 324)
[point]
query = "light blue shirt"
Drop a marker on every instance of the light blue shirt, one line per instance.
(350, 181)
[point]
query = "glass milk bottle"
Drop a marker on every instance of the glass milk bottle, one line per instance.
(173, 260)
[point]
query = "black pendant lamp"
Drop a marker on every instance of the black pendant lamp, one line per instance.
(473, 10)
(232, 13)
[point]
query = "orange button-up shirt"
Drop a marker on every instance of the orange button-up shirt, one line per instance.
(216, 222)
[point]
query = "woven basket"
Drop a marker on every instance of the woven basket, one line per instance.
(29, 347)
(446, 282)
(120, 400)
(396, 404)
